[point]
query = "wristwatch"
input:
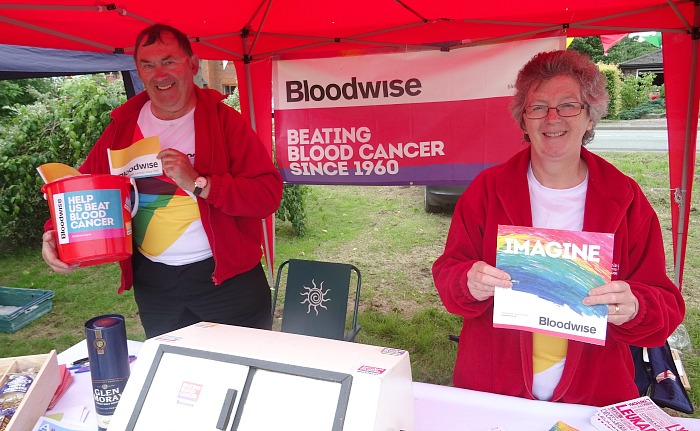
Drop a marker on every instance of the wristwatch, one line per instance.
(199, 184)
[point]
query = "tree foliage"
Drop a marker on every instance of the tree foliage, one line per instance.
(591, 46)
(636, 90)
(22, 92)
(293, 207)
(626, 92)
(626, 49)
(656, 107)
(613, 84)
(62, 125)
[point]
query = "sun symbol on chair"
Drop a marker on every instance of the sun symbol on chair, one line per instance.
(315, 297)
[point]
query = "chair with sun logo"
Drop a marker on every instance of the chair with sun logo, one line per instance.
(316, 298)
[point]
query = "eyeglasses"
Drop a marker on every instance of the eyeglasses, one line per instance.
(569, 109)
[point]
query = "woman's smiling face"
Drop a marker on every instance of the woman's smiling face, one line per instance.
(555, 137)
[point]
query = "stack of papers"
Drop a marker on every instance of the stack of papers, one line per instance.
(634, 415)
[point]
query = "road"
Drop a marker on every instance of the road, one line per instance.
(629, 140)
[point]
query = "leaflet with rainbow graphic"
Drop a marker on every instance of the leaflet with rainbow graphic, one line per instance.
(137, 160)
(562, 426)
(552, 271)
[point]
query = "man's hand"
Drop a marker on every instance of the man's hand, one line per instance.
(177, 167)
(50, 254)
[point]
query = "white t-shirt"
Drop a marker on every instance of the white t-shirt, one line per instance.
(168, 226)
(553, 209)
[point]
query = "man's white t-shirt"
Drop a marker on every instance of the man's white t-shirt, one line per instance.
(168, 226)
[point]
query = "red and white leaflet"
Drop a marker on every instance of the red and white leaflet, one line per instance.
(635, 415)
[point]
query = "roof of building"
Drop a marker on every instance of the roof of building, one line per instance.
(654, 58)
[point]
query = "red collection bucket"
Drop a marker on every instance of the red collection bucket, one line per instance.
(92, 215)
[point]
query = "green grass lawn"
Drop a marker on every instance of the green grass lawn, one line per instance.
(384, 232)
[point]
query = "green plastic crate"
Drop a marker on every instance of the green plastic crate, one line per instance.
(19, 307)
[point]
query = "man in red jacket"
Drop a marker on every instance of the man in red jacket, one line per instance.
(198, 227)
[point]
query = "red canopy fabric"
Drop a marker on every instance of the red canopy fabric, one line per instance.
(323, 26)
(681, 76)
(252, 32)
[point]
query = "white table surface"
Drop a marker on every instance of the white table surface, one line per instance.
(437, 408)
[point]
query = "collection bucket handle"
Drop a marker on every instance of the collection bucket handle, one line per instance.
(135, 206)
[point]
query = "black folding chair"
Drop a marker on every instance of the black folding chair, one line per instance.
(316, 298)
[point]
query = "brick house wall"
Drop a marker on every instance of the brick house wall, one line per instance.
(215, 75)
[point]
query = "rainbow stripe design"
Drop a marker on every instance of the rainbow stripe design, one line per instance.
(559, 280)
(552, 272)
(561, 426)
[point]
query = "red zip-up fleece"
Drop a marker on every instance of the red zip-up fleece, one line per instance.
(245, 186)
(500, 360)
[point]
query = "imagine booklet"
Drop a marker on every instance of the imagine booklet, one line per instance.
(552, 271)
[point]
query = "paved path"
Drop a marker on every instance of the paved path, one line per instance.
(641, 124)
(632, 135)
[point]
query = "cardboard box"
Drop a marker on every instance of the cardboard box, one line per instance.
(37, 399)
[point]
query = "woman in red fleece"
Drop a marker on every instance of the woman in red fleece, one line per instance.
(556, 183)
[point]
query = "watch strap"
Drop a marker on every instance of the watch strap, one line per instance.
(197, 190)
(197, 187)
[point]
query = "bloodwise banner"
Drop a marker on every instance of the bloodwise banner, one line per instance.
(406, 118)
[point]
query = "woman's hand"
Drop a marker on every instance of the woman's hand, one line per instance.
(622, 304)
(50, 254)
(483, 278)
